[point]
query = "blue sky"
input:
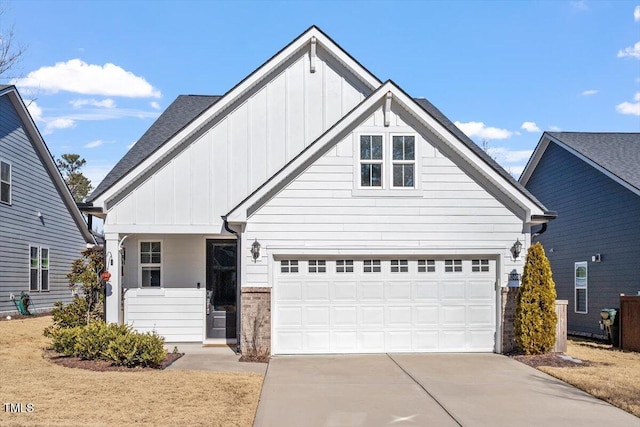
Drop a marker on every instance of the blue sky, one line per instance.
(100, 72)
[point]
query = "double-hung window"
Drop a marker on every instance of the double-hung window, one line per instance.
(580, 286)
(5, 182)
(371, 160)
(404, 160)
(38, 268)
(150, 264)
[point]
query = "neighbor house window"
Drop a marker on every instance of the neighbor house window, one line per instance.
(399, 266)
(580, 282)
(426, 266)
(453, 266)
(371, 159)
(288, 266)
(317, 266)
(372, 266)
(150, 264)
(5, 182)
(404, 159)
(38, 268)
(479, 265)
(344, 266)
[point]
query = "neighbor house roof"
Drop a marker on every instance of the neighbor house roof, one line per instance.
(614, 153)
(179, 114)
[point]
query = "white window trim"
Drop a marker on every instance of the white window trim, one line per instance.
(584, 264)
(289, 266)
(483, 263)
(39, 269)
(367, 161)
(454, 265)
(399, 266)
(10, 182)
(428, 263)
(345, 266)
(403, 162)
(317, 265)
(140, 264)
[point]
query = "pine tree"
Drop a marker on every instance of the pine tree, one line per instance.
(79, 185)
(535, 322)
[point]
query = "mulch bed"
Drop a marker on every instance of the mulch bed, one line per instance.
(551, 359)
(103, 365)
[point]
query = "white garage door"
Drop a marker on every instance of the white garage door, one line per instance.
(356, 305)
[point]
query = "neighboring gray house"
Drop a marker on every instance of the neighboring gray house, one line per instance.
(41, 229)
(593, 181)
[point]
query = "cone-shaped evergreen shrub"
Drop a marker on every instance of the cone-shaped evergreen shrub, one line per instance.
(535, 322)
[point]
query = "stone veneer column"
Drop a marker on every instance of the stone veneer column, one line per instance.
(255, 335)
(508, 319)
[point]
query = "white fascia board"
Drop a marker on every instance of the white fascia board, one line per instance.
(49, 163)
(534, 159)
(493, 177)
(251, 81)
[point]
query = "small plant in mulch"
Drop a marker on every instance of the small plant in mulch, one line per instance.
(549, 359)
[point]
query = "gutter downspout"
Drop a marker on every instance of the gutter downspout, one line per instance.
(537, 233)
(238, 284)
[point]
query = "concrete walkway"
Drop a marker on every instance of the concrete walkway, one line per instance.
(202, 358)
(424, 390)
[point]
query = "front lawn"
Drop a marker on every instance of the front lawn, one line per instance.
(66, 396)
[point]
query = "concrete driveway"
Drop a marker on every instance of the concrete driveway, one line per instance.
(424, 390)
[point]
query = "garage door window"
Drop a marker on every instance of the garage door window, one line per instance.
(426, 266)
(372, 266)
(480, 266)
(453, 266)
(399, 266)
(288, 266)
(317, 266)
(344, 266)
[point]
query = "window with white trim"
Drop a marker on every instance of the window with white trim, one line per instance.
(372, 266)
(580, 285)
(38, 268)
(426, 266)
(479, 265)
(5, 182)
(289, 266)
(453, 266)
(371, 160)
(404, 160)
(317, 266)
(344, 266)
(399, 266)
(151, 264)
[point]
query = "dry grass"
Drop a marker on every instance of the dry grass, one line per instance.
(65, 396)
(613, 377)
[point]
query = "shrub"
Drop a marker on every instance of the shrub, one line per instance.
(64, 339)
(136, 349)
(535, 322)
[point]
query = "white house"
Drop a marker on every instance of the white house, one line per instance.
(313, 209)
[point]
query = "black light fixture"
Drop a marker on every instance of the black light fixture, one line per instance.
(255, 250)
(516, 248)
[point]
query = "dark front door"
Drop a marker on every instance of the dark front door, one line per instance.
(221, 289)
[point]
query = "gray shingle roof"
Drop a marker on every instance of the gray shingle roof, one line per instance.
(179, 114)
(619, 153)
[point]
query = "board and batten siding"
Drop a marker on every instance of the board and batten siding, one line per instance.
(596, 215)
(32, 191)
(176, 314)
(244, 149)
(322, 210)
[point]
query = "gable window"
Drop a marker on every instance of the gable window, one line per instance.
(5, 182)
(453, 266)
(317, 266)
(371, 160)
(344, 266)
(403, 160)
(150, 264)
(426, 266)
(580, 284)
(38, 268)
(372, 266)
(399, 266)
(479, 265)
(288, 266)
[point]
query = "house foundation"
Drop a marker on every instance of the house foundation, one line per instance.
(255, 336)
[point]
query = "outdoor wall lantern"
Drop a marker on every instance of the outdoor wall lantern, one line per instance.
(255, 250)
(516, 249)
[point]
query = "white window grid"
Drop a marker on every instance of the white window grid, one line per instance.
(372, 266)
(289, 266)
(453, 266)
(479, 265)
(399, 266)
(317, 266)
(426, 266)
(344, 266)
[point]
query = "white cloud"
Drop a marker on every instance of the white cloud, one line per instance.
(105, 103)
(154, 105)
(480, 130)
(77, 76)
(632, 108)
(631, 51)
(636, 14)
(589, 92)
(554, 128)
(35, 111)
(530, 127)
(94, 144)
(59, 123)
(504, 155)
(579, 5)
(96, 172)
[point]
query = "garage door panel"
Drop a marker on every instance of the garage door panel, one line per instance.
(317, 316)
(344, 341)
(453, 315)
(370, 291)
(317, 341)
(398, 316)
(452, 290)
(425, 290)
(344, 316)
(426, 315)
(480, 315)
(345, 292)
(316, 291)
(478, 339)
(371, 341)
(290, 316)
(289, 341)
(289, 291)
(425, 340)
(482, 290)
(398, 291)
(399, 340)
(453, 339)
(371, 316)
